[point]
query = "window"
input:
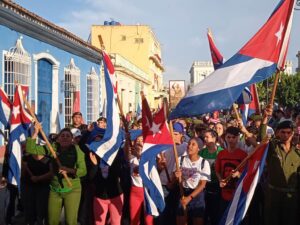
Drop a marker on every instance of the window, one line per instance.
(72, 91)
(17, 68)
(123, 37)
(92, 96)
(139, 40)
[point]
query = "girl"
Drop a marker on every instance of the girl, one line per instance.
(194, 173)
(136, 200)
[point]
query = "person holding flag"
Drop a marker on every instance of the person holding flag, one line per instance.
(73, 165)
(195, 173)
(282, 203)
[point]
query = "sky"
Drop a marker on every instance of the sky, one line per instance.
(179, 25)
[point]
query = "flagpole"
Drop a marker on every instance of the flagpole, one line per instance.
(177, 168)
(242, 164)
(245, 160)
(274, 88)
(165, 105)
(46, 140)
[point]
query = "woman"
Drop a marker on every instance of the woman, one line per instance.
(73, 165)
(220, 129)
(194, 173)
(108, 190)
(136, 200)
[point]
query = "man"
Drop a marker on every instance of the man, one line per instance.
(102, 122)
(77, 122)
(283, 175)
(227, 160)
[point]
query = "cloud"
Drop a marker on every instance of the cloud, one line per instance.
(95, 12)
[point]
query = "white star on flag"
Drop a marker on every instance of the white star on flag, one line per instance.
(279, 33)
(155, 128)
(16, 111)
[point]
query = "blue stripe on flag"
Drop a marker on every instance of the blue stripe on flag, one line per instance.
(151, 180)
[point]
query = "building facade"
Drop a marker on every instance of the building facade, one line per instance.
(289, 67)
(200, 70)
(56, 65)
(137, 45)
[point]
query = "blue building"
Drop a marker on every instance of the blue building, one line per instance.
(61, 70)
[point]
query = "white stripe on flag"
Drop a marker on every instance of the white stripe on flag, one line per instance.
(244, 71)
(233, 207)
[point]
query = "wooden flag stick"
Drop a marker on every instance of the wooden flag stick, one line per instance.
(46, 140)
(245, 160)
(177, 168)
(165, 105)
(274, 88)
(243, 163)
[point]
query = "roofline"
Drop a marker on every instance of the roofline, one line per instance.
(20, 19)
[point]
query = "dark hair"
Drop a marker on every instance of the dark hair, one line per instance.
(287, 124)
(233, 130)
(76, 114)
(212, 132)
(200, 127)
(66, 129)
(102, 119)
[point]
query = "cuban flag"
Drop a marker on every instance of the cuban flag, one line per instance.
(157, 138)
(216, 56)
(5, 108)
(108, 147)
(19, 130)
(257, 60)
(253, 107)
(217, 59)
(244, 192)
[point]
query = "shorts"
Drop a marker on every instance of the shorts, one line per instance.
(196, 206)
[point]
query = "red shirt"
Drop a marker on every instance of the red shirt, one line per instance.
(226, 162)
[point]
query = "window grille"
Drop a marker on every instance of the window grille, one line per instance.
(92, 96)
(72, 85)
(17, 68)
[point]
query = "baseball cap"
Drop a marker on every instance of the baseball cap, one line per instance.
(178, 127)
(76, 132)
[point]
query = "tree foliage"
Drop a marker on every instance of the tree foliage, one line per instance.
(287, 93)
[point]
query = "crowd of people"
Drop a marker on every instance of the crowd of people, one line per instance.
(196, 191)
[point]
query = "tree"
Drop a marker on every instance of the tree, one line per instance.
(287, 93)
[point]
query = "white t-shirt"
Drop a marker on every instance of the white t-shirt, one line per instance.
(170, 161)
(135, 178)
(192, 172)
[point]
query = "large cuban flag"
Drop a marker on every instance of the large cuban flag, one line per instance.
(256, 61)
(248, 181)
(108, 147)
(19, 129)
(156, 139)
(5, 108)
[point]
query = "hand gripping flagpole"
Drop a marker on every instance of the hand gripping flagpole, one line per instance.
(46, 140)
(243, 163)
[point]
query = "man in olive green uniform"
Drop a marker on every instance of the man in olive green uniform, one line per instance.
(283, 172)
